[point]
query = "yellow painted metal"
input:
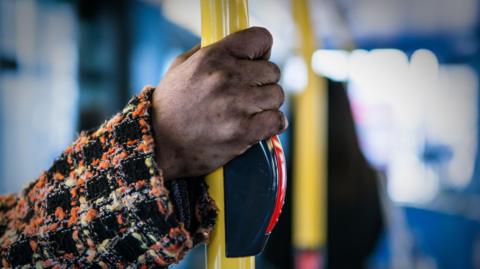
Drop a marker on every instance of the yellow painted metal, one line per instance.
(310, 151)
(216, 258)
(220, 18)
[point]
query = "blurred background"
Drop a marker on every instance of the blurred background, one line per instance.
(402, 78)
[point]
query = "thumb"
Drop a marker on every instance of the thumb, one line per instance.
(254, 43)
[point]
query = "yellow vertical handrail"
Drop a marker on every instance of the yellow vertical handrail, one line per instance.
(310, 146)
(220, 18)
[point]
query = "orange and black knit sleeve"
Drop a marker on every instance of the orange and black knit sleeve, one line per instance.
(104, 204)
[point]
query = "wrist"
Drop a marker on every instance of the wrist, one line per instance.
(166, 160)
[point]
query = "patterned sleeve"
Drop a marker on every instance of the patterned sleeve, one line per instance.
(104, 204)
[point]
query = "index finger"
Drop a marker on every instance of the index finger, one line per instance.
(252, 43)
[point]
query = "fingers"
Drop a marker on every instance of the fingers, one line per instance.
(252, 43)
(183, 57)
(266, 124)
(258, 99)
(258, 73)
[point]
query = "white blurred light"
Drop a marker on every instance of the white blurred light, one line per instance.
(422, 102)
(331, 63)
(409, 181)
(295, 74)
(379, 69)
(451, 117)
(424, 65)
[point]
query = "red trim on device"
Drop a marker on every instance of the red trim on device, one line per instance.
(281, 181)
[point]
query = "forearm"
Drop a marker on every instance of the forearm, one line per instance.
(104, 201)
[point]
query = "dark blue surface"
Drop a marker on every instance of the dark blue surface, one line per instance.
(250, 195)
(448, 240)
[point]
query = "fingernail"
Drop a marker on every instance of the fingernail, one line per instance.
(284, 125)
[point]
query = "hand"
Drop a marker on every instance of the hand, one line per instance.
(215, 102)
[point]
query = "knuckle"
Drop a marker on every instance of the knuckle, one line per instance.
(276, 71)
(220, 77)
(232, 132)
(266, 35)
(279, 94)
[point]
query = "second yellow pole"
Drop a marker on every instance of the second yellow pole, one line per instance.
(219, 19)
(310, 153)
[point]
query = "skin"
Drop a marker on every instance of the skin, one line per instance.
(216, 102)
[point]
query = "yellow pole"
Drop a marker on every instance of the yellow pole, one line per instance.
(220, 18)
(310, 147)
